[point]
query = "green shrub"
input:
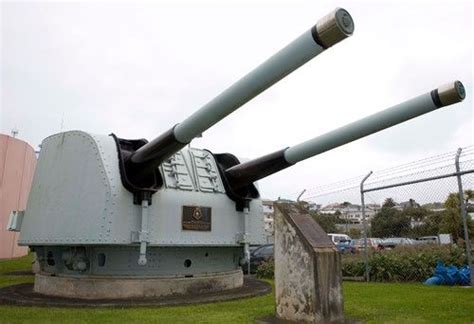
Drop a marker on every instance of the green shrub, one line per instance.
(266, 270)
(404, 263)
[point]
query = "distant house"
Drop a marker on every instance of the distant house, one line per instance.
(350, 213)
(268, 219)
(330, 209)
(434, 206)
(268, 214)
(314, 207)
(407, 204)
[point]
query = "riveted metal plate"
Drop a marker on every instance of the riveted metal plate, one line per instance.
(205, 168)
(176, 173)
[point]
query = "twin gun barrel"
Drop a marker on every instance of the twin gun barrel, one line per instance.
(140, 165)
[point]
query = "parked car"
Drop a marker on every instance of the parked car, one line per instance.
(254, 247)
(261, 254)
(393, 242)
(372, 243)
(336, 238)
(427, 240)
(345, 246)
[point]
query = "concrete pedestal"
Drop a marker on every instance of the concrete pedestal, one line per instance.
(308, 278)
(106, 287)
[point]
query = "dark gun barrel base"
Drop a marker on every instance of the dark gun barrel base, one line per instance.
(248, 172)
(142, 164)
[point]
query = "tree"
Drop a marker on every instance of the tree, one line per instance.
(389, 222)
(389, 203)
(416, 213)
(354, 233)
(468, 194)
(452, 202)
(327, 222)
(430, 226)
(451, 221)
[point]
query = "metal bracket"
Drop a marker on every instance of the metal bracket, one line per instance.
(143, 234)
(15, 220)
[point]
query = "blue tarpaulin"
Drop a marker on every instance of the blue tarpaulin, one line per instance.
(450, 275)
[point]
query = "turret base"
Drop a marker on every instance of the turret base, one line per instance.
(23, 295)
(108, 287)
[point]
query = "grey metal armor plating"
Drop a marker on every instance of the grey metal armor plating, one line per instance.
(77, 199)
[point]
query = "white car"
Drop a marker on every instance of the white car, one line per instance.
(336, 238)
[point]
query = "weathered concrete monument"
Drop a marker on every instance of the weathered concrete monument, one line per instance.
(110, 217)
(308, 275)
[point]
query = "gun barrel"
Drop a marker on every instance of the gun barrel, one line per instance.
(246, 173)
(329, 30)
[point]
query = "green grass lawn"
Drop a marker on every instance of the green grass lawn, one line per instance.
(372, 303)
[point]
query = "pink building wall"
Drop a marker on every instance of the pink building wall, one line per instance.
(17, 166)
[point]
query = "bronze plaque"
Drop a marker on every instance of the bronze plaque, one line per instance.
(196, 218)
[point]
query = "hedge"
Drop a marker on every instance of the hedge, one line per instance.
(402, 264)
(266, 270)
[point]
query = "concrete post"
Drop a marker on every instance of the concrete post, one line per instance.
(308, 277)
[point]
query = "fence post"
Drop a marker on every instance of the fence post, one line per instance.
(464, 216)
(301, 194)
(364, 223)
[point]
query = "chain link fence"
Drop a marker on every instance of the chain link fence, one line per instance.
(401, 221)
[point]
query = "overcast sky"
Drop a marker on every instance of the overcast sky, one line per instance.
(137, 69)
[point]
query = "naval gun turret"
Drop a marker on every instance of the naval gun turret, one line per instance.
(113, 218)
